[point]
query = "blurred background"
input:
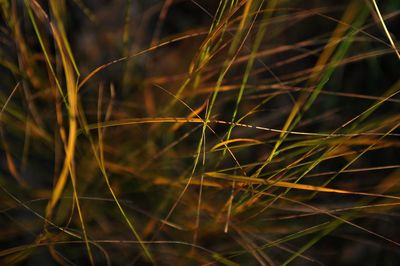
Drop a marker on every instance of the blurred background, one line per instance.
(106, 158)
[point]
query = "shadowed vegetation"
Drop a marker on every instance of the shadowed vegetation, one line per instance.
(182, 132)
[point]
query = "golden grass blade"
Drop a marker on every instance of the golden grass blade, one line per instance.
(283, 184)
(389, 36)
(226, 142)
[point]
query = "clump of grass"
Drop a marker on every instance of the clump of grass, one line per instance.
(199, 132)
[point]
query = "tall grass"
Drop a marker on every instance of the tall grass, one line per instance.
(231, 132)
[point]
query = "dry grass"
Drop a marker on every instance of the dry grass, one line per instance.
(231, 132)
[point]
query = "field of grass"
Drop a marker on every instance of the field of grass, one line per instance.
(199, 132)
